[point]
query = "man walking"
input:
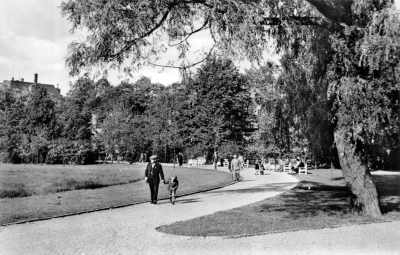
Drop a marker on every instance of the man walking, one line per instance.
(215, 159)
(241, 160)
(180, 158)
(152, 176)
(235, 167)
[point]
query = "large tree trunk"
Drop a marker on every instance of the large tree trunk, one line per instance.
(358, 178)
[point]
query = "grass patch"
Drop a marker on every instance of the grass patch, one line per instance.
(35, 180)
(320, 200)
(15, 190)
(72, 184)
(60, 190)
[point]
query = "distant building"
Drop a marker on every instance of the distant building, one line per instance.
(26, 86)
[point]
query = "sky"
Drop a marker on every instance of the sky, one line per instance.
(34, 38)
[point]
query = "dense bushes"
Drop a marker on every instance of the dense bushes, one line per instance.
(15, 190)
(58, 152)
(10, 157)
(71, 153)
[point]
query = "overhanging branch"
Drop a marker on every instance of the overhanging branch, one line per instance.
(191, 33)
(186, 66)
(310, 21)
(149, 32)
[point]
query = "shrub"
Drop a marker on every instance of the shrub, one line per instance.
(16, 190)
(71, 152)
(11, 157)
(72, 184)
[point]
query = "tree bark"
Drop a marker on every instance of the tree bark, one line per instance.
(358, 178)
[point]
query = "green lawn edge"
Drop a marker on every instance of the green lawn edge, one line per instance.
(142, 189)
(324, 205)
(113, 207)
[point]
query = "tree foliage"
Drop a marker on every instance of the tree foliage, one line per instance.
(40, 112)
(12, 115)
(365, 74)
(218, 105)
(78, 109)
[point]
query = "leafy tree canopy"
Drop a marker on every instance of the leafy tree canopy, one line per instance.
(138, 32)
(218, 104)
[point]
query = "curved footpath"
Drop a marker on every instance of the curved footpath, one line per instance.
(131, 230)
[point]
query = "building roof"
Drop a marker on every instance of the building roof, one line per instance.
(22, 85)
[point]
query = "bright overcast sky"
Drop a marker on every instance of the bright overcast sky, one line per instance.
(34, 38)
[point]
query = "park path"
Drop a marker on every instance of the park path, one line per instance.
(131, 230)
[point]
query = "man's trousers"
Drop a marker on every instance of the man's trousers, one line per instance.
(153, 190)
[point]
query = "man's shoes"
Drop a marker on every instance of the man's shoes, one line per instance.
(173, 203)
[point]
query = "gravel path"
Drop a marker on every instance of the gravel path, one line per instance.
(131, 230)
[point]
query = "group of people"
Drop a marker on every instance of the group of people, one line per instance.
(295, 168)
(154, 175)
(260, 165)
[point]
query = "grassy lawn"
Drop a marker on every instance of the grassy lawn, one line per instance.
(40, 191)
(320, 200)
(31, 180)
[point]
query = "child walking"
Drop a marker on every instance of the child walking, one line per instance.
(257, 167)
(173, 184)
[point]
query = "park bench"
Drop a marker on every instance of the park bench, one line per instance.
(303, 170)
(287, 166)
(201, 161)
(271, 164)
(192, 162)
(226, 162)
(246, 164)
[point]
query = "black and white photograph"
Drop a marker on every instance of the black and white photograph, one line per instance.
(199, 127)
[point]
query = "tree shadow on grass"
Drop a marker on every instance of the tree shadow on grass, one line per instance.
(311, 199)
(388, 187)
(310, 205)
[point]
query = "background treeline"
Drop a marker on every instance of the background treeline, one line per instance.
(267, 112)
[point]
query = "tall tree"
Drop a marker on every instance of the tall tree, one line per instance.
(12, 130)
(41, 112)
(365, 74)
(240, 28)
(77, 113)
(273, 112)
(218, 105)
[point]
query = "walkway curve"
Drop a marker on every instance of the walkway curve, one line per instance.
(130, 230)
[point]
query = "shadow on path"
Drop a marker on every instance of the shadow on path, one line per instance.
(261, 188)
(187, 201)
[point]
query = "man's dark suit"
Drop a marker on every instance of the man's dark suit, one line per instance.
(153, 175)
